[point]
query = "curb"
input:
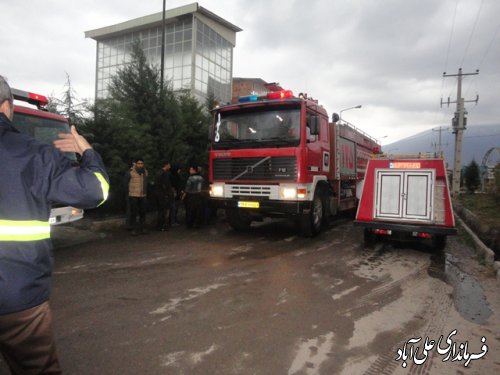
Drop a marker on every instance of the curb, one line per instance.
(489, 255)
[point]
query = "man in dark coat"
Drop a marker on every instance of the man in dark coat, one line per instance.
(164, 196)
(193, 198)
(34, 176)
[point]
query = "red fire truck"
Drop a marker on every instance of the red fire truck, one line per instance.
(44, 126)
(277, 155)
(406, 198)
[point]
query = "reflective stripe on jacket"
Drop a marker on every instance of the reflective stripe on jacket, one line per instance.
(28, 230)
(33, 177)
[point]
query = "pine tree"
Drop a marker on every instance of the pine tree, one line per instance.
(472, 176)
(140, 120)
(70, 106)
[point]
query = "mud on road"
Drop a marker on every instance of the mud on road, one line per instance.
(266, 301)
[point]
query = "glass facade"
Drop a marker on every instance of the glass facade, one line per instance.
(213, 63)
(196, 57)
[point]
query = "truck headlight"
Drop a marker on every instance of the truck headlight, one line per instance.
(292, 192)
(288, 193)
(217, 190)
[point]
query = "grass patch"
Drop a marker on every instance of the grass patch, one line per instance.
(484, 206)
(466, 239)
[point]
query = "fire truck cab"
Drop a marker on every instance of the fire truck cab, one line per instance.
(277, 155)
(44, 127)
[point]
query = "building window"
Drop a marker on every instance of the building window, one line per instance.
(212, 67)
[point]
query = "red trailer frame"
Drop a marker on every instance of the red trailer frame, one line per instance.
(406, 197)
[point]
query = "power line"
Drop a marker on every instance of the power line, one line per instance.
(449, 46)
(472, 32)
(447, 55)
(484, 56)
(489, 46)
(449, 41)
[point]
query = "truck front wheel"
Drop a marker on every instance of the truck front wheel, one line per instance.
(238, 219)
(312, 222)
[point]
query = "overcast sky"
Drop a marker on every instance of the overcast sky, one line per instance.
(387, 55)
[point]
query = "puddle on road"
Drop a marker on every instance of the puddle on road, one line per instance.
(468, 296)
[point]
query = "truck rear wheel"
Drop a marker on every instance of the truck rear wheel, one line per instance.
(439, 242)
(238, 219)
(369, 237)
(312, 222)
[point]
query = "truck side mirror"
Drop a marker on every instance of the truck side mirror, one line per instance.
(335, 117)
(314, 125)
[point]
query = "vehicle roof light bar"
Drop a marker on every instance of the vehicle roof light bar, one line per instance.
(30, 97)
(284, 94)
(248, 98)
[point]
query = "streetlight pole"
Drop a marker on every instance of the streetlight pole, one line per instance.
(162, 68)
(346, 109)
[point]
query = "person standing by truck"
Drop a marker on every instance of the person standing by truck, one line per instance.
(175, 172)
(164, 193)
(34, 176)
(193, 198)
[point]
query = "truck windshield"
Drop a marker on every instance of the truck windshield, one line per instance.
(257, 128)
(42, 129)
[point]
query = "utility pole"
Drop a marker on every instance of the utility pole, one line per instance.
(439, 146)
(459, 122)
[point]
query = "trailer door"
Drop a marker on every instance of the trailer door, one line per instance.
(404, 195)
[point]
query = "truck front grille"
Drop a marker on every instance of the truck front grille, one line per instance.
(250, 190)
(276, 168)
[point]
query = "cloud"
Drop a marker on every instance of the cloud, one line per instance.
(387, 55)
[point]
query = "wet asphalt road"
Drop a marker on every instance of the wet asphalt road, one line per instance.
(264, 301)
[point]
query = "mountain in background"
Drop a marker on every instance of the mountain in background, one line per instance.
(477, 140)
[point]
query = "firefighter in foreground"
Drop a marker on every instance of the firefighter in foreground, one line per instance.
(33, 177)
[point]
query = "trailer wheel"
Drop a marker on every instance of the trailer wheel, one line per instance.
(369, 237)
(439, 242)
(238, 219)
(312, 222)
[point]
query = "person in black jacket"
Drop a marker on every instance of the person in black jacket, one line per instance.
(34, 176)
(175, 177)
(192, 197)
(164, 196)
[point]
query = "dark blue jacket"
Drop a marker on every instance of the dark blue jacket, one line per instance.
(33, 176)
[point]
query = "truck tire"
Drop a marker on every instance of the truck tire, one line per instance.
(369, 237)
(312, 222)
(238, 219)
(439, 242)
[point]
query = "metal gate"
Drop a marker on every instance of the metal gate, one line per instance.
(404, 194)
